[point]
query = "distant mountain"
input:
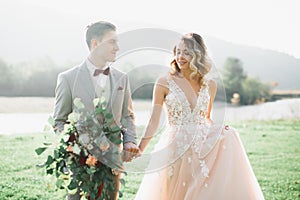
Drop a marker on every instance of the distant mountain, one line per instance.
(268, 65)
(265, 64)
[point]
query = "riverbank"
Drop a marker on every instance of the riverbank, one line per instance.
(29, 114)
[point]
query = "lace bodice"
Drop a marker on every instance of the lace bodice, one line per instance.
(188, 125)
(179, 109)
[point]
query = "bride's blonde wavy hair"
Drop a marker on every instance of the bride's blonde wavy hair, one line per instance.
(200, 63)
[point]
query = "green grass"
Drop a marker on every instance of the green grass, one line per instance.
(272, 146)
(20, 178)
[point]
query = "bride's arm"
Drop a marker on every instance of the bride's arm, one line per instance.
(159, 93)
(212, 89)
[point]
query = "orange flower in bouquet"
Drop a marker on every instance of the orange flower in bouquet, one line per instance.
(88, 154)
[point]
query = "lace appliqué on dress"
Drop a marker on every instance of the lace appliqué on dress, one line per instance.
(190, 125)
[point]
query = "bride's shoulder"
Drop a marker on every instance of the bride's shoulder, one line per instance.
(212, 86)
(163, 80)
(211, 83)
(162, 84)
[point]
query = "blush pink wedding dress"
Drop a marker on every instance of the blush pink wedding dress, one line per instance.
(196, 161)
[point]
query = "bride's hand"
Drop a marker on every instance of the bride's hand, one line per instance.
(209, 121)
(139, 153)
(130, 151)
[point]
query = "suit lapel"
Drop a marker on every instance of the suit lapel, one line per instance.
(86, 81)
(113, 80)
(116, 100)
(83, 87)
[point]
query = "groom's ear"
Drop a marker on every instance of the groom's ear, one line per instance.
(94, 43)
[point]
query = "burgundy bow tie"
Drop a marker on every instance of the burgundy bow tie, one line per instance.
(99, 71)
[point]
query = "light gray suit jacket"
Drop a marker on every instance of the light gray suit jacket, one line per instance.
(77, 83)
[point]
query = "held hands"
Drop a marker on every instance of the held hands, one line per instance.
(130, 151)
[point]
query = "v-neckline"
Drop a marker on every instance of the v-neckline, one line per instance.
(185, 97)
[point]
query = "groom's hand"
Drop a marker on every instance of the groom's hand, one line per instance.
(130, 151)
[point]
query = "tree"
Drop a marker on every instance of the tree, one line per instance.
(6, 81)
(254, 91)
(233, 76)
(250, 90)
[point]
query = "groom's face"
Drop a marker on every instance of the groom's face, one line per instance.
(106, 48)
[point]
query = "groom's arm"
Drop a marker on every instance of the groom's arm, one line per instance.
(129, 134)
(63, 103)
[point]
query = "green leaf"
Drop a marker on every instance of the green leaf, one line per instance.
(47, 128)
(73, 191)
(65, 138)
(120, 194)
(56, 154)
(49, 171)
(98, 111)
(78, 104)
(59, 183)
(122, 181)
(118, 141)
(49, 160)
(67, 127)
(102, 100)
(41, 165)
(47, 143)
(76, 149)
(40, 150)
(91, 170)
(109, 121)
(111, 187)
(92, 196)
(73, 117)
(108, 115)
(51, 121)
(73, 185)
(62, 163)
(115, 129)
(96, 102)
(57, 174)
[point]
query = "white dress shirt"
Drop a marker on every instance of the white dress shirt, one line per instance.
(101, 82)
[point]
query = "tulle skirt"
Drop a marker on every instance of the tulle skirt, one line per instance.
(199, 162)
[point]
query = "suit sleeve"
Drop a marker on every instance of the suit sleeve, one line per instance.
(63, 103)
(129, 134)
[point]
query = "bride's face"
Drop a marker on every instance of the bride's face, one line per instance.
(183, 57)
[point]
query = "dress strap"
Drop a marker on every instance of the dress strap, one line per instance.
(169, 81)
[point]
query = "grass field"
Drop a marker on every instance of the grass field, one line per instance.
(272, 146)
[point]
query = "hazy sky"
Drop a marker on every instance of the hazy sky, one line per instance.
(55, 28)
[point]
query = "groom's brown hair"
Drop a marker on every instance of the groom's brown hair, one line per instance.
(97, 30)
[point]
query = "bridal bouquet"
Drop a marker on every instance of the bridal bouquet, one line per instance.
(87, 154)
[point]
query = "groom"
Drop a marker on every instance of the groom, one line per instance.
(94, 79)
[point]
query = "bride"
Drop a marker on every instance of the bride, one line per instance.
(194, 159)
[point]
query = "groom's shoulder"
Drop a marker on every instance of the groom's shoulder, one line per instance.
(118, 73)
(71, 71)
